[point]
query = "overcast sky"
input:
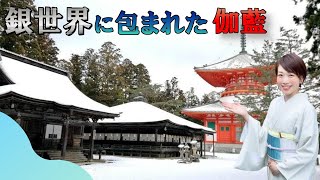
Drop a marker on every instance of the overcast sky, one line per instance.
(174, 55)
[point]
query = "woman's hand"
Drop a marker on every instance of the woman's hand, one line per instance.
(273, 167)
(236, 108)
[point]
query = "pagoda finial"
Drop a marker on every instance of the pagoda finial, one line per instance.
(243, 41)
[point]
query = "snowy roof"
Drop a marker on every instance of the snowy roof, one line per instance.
(217, 107)
(241, 60)
(141, 112)
(43, 82)
(208, 108)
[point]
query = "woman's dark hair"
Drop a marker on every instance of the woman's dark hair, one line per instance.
(292, 63)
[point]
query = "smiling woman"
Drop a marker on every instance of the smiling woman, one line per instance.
(290, 75)
(286, 142)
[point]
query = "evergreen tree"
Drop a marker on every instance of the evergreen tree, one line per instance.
(174, 88)
(152, 93)
(63, 64)
(205, 99)
(311, 22)
(133, 77)
(191, 98)
(171, 99)
(35, 46)
(167, 94)
(76, 70)
(142, 77)
(210, 98)
(92, 75)
(128, 74)
(109, 57)
(171, 89)
(104, 76)
(172, 106)
(127, 78)
(181, 96)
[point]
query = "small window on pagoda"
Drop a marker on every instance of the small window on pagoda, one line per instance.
(232, 80)
(241, 79)
(212, 125)
(250, 79)
(222, 128)
(227, 128)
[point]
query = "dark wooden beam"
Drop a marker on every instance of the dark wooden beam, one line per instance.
(91, 140)
(204, 145)
(213, 145)
(201, 147)
(81, 133)
(138, 134)
(156, 136)
(65, 139)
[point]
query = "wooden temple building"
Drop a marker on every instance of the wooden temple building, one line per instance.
(62, 123)
(48, 107)
(236, 75)
(145, 130)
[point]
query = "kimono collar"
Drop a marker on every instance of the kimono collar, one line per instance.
(296, 97)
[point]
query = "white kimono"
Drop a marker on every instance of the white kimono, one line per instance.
(295, 116)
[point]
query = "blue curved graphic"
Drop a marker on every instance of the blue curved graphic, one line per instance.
(18, 161)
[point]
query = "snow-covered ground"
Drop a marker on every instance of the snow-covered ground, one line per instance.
(131, 168)
(221, 167)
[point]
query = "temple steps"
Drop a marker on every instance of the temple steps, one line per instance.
(72, 156)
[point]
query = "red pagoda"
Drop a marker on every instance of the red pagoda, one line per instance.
(236, 75)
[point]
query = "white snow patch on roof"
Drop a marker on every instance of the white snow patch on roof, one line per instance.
(135, 112)
(209, 108)
(241, 60)
(42, 84)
